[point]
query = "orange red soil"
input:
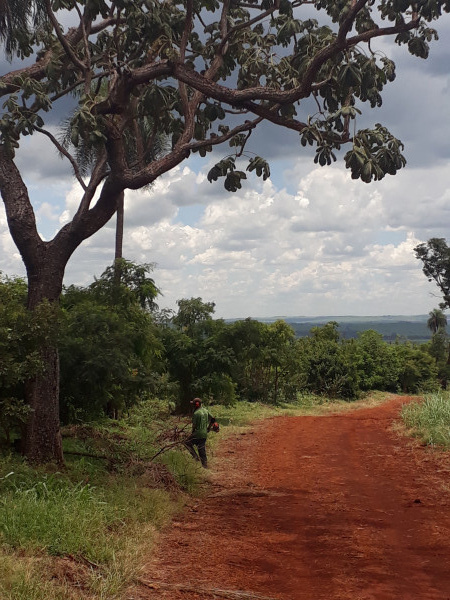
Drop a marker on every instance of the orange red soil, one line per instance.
(335, 507)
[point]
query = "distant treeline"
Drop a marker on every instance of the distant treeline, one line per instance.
(390, 331)
(391, 328)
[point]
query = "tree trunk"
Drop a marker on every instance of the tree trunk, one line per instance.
(45, 263)
(118, 254)
(43, 438)
(119, 227)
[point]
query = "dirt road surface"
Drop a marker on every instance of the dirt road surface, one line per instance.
(313, 508)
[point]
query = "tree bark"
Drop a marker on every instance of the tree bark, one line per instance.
(42, 434)
(118, 254)
(119, 228)
(43, 438)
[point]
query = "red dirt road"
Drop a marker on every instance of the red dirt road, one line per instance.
(313, 508)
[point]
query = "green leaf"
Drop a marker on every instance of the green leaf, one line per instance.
(349, 75)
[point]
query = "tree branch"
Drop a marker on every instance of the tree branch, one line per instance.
(251, 22)
(220, 139)
(65, 153)
(98, 173)
(184, 40)
(63, 40)
(37, 70)
(349, 20)
(19, 212)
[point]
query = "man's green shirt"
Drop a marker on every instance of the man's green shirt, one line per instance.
(200, 422)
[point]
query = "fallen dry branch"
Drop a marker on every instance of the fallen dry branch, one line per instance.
(79, 558)
(168, 447)
(214, 592)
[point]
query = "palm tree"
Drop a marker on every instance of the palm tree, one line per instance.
(17, 17)
(143, 146)
(144, 143)
(437, 321)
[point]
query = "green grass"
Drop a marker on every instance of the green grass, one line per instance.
(58, 517)
(429, 419)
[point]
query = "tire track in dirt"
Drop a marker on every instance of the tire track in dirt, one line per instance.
(315, 508)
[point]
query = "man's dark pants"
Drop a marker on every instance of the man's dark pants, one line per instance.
(201, 448)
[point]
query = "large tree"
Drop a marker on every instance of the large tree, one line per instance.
(435, 257)
(204, 72)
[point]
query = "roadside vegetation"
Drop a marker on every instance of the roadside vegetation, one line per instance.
(83, 531)
(429, 419)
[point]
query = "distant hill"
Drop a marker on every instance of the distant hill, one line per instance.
(411, 327)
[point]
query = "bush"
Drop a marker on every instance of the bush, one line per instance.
(108, 356)
(377, 363)
(418, 370)
(329, 369)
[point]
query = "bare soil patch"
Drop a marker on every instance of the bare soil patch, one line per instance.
(313, 508)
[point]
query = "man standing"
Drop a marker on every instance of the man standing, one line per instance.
(202, 422)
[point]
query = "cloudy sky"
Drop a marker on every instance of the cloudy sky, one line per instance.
(309, 241)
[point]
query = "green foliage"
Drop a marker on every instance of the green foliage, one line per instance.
(343, 368)
(437, 321)
(227, 168)
(375, 153)
(110, 352)
(264, 366)
(18, 357)
(106, 511)
(418, 371)
(216, 388)
(270, 47)
(192, 314)
(58, 517)
(435, 256)
(328, 368)
(13, 417)
(114, 353)
(196, 359)
(183, 468)
(125, 284)
(377, 363)
(129, 84)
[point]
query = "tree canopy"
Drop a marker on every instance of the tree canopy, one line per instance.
(435, 257)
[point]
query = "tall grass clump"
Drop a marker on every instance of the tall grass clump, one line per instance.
(429, 419)
(184, 470)
(46, 516)
(58, 517)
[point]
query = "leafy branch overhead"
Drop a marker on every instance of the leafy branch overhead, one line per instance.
(158, 66)
(227, 168)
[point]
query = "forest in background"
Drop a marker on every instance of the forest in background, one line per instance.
(117, 348)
